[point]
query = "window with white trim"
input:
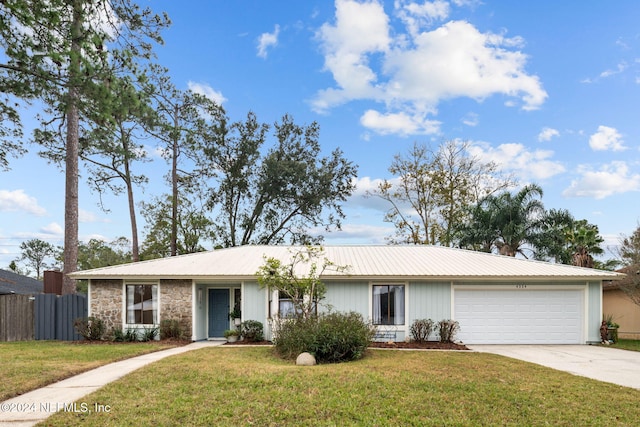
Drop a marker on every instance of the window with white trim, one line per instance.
(142, 304)
(388, 304)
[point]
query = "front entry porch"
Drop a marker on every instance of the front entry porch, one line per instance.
(214, 310)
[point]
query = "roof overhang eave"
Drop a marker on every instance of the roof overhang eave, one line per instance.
(156, 277)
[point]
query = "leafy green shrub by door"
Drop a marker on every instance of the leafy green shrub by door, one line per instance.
(331, 338)
(252, 330)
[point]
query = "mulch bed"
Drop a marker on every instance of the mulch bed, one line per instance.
(244, 342)
(429, 345)
(174, 341)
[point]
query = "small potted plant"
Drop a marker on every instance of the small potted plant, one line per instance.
(612, 329)
(231, 335)
(235, 315)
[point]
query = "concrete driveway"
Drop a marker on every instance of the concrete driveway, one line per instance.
(610, 365)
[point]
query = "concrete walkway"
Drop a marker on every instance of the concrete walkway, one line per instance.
(35, 406)
(600, 363)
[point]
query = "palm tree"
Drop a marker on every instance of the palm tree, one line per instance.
(584, 240)
(478, 234)
(508, 222)
(552, 242)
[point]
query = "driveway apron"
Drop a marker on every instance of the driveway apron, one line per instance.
(600, 363)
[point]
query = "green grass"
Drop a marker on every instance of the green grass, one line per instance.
(27, 365)
(248, 386)
(633, 345)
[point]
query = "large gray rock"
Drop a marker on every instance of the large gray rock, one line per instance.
(306, 359)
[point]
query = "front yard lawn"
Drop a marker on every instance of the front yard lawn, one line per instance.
(633, 345)
(248, 386)
(27, 365)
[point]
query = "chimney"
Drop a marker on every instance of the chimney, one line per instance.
(53, 282)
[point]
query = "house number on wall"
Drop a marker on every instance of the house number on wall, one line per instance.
(521, 286)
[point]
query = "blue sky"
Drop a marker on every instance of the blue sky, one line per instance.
(549, 90)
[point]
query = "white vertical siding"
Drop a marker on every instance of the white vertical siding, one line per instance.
(348, 296)
(594, 311)
(200, 313)
(254, 303)
(429, 300)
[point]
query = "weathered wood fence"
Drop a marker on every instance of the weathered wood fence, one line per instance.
(43, 317)
(16, 318)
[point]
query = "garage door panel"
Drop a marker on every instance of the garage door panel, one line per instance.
(519, 316)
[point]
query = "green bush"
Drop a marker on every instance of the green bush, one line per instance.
(252, 330)
(170, 328)
(447, 330)
(342, 337)
(117, 335)
(149, 334)
(421, 329)
(90, 328)
(331, 337)
(130, 335)
(293, 336)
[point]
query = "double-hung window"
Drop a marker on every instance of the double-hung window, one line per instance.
(388, 304)
(142, 304)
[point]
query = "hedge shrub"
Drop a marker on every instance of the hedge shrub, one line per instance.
(331, 337)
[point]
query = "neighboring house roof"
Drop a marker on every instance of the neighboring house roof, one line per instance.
(632, 272)
(12, 283)
(374, 262)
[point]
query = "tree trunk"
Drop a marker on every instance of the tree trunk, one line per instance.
(135, 254)
(71, 159)
(506, 250)
(174, 186)
(582, 258)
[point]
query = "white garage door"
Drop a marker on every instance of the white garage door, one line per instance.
(519, 316)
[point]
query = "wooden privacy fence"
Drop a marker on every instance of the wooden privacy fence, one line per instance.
(16, 317)
(43, 317)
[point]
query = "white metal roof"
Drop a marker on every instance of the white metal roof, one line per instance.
(431, 262)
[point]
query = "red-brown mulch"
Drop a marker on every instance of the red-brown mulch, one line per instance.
(245, 342)
(429, 345)
(175, 341)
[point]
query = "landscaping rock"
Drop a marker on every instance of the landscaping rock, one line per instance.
(306, 359)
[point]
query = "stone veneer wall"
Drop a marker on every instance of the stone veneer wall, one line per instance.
(106, 302)
(176, 303)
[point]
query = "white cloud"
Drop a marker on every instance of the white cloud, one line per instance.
(360, 28)
(53, 229)
(612, 178)
(88, 217)
(471, 119)
(370, 234)
(463, 63)
(547, 133)
(206, 90)
(606, 138)
(399, 123)
(414, 72)
(417, 16)
(267, 40)
(18, 201)
(620, 68)
(516, 158)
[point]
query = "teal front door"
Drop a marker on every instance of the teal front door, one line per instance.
(218, 312)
